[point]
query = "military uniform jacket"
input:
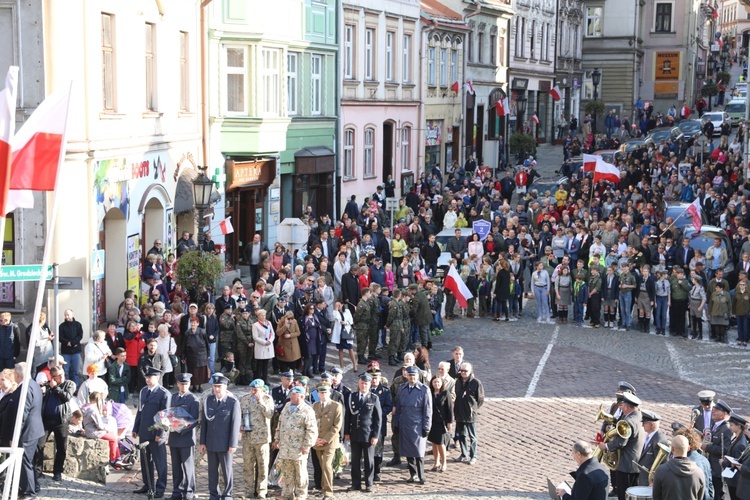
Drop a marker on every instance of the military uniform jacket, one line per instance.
(149, 404)
(595, 284)
(261, 412)
(386, 405)
(362, 315)
(395, 319)
(297, 429)
(220, 423)
(330, 421)
(244, 331)
(649, 453)
(374, 311)
(736, 449)
(714, 449)
(630, 448)
(363, 418)
(185, 438)
(227, 324)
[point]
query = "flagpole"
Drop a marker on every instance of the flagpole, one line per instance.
(40, 293)
(675, 220)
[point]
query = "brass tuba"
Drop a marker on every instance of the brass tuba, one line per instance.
(612, 458)
(603, 415)
(661, 457)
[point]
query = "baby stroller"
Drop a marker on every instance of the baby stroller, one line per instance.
(128, 454)
(128, 448)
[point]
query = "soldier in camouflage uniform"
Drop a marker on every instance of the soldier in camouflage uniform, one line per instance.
(362, 318)
(395, 325)
(257, 409)
(227, 326)
(406, 315)
(243, 353)
(295, 435)
(372, 336)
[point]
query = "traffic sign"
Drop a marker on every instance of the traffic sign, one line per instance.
(482, 228)
(391, 204)
(23, 273)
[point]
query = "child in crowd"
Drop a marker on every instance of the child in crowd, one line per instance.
(75, 424)
(390, 277)
(227, 366)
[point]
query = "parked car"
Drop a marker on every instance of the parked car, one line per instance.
(655, 136)
(717, 118)
(690, 128)
(677, 211)
(735, 110)
(631, 145)
(705, 240)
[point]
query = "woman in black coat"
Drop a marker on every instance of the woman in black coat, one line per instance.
(195, 353)
(442, 422)
(501, 291)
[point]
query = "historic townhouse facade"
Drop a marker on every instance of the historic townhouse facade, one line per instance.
(569, 73)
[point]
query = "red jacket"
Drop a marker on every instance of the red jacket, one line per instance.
(521, 178)
(133, 347)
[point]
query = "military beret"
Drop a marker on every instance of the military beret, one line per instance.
(649, 416)
(631, 399)
(219, 379)
(373, 364)
(297, 390)
(736, 419)
(303, 380)
(257, 383)
(287, 374)
(366, 377)
(184, 378)
(722, 406)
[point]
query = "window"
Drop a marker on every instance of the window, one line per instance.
(316, 74)
(406, 148)
(519, 40)
(480, 47)
(406, 60)
(369, 159)
(184, 72)
(389, 56)
(532, 41)
(493, 50)
(663, 17)
(369, 56)
(108, 62)
(236, 80)
(470, 46)
(150, 52)
(593, 21)
(443, 67)
(349, 153)
(269, 102)
(349, 51)
(431, 66)
(292, 68)
(545, 42)
(454, 66)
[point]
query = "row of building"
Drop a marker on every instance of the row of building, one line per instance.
(298, 103)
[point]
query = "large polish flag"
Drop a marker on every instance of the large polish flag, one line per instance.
(7, 126)
(456, 285)
(606, 172)
(589, 162)
(37, 149)
(695, 210)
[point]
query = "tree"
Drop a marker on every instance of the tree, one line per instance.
(199, 268)
(709, 90)
(723, 77)
(594, 108)
(522, 144)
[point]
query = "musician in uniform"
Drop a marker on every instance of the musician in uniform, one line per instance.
(737, 447)
(654, 438)
(220, 435)
(296, 433)
(743, 471)
(329, 415)
(716, 443)
(703, 413)
(626, 472)
(362, 423)
(152, 399)
(182, 444)
(257, 410)
(616, 413)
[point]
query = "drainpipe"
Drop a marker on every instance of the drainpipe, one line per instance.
(420, 110)
(204, 77)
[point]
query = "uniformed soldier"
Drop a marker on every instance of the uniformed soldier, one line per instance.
(243, 353)
(408, 318)
(595, 297)
(362, 429)
(182, 444)
(257, 410)
(280, 395)
(295, 435)
(384, 395)
(220, 435)
(395, 325)
(372, 336)
(227, 324)
(362, 318)
(329, 415)
(152, 399)
(336, 375)
(716, 444)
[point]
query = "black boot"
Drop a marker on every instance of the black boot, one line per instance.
(396, 460)
(699, 328)
(361, 359)
(392, 361)
(647, 325)
(378, 461)
(400, 356)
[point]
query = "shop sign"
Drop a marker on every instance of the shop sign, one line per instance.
(23, 273)
(250, 172)
(134, 263)
(666, 66)
(432, 132)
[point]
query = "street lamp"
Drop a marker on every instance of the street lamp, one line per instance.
(711, 66)
(596, 78)
(520, 110)
(202, 187)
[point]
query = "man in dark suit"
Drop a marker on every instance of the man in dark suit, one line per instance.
(152, 399)
(591, 479)
(220, 435)
(181, 444)
(721, 438)
(654, 438)
(704, 412)
(351, 292)
(684, 255)
(362, 422)
(457, 246)
(455, 363)
(32, 428)
(626, 474)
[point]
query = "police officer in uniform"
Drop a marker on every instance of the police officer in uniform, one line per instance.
(716, 444)
(182, 444)
(362, 429)
(220, 435)
(152, 399)
(257, 410)
(330, 418)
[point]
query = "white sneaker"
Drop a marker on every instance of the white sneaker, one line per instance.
(539, 319)
(549, 321)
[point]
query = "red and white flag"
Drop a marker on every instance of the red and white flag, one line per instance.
(455, 87)
(458, 288)
(421, 275)
(695, 210)
(555, 93)
(37, 149)
(469, 85)
(589, 162)
(7, 126)
(535, 118)
(502, 107)
(226, 226)
(606, 172)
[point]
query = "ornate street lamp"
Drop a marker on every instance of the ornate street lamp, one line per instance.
(202, 188)
(520, 110)
(711, 66)
(596, 78)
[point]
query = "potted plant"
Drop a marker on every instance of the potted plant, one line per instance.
(199, 268)
(522, 144)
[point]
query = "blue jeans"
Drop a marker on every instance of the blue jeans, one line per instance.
(542, 302)
(742, 325)
(72, 367)
(430, 269)
(626, 304)
(438, 321)
(514, 301)
(578, 312)
(212, 356)
(660, 314)
(466, 432)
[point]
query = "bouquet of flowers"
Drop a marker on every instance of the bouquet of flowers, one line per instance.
(174, 419)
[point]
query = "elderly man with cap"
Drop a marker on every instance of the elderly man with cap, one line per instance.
(330, 419)
(152, 399)
(182, 444)
(655, 439)
(413, 419)
(716, 444)
(626, 473)
(257, 410)
(220, 435)
(243, 349)
(362, 422)
(296, 433)
(679, 478)
(702, 415)
(738, 447)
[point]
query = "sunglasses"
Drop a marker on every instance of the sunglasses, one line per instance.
(463, 371)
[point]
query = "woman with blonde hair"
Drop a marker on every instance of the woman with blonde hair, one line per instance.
(43, 349)
(263, 337)
(96, 353)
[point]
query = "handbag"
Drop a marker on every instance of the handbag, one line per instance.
(346, 331)
(173, 361)
(280, 353)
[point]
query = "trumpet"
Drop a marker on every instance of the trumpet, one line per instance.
(612, 458)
